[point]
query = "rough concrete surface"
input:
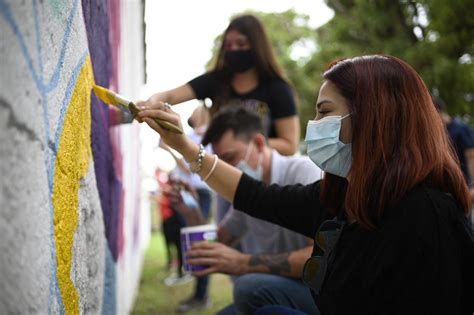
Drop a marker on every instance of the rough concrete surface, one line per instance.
(61, 200)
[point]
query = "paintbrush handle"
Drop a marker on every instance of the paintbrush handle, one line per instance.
(168, 126)
(163, 123)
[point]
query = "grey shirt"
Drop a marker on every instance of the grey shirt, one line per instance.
(261, 237)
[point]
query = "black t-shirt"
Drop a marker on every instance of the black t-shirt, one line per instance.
(418, 260)
(271, 99)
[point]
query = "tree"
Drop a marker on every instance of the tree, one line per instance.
(435, 36)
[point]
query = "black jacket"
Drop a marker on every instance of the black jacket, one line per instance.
(419, 259)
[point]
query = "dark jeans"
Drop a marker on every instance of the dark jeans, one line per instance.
(171, 230)
(278, 310)
(254, 291)
(205, 201)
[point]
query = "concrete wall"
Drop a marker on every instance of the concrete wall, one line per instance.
(70, 220)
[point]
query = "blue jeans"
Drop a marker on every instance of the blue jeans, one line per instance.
(278, 310)
(205, 201)
(255, 290)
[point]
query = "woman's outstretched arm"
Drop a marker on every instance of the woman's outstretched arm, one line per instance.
(219, 175)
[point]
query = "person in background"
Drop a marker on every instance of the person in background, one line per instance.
(462, 138)
(389, 218)
(198, 121)
(164, 212)
(172, 231)
(245, 70)
(271, 259)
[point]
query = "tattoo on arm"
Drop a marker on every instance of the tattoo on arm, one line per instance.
(277, 264)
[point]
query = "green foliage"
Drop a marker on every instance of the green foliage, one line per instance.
(287, 32)
(435, 36)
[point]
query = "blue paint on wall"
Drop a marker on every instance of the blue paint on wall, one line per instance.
(45, 88)
(109, 303)
(37, 77)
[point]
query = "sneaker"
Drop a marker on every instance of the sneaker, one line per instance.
(177, 280)
(193, 304)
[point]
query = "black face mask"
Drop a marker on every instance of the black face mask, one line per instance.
(239, 60)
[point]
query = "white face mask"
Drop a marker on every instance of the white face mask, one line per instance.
(247, 169)
(324, 147)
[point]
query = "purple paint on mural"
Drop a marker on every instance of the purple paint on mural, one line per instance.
(108, 185)
(115, 136)
(114, 36)
(97, 28)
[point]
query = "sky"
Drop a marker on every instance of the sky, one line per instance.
(179, 38)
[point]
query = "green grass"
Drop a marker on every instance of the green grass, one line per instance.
(154, 297)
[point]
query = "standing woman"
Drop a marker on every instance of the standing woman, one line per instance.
(245, 70)
(389, 217)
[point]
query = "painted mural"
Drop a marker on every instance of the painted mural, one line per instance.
(64, 196)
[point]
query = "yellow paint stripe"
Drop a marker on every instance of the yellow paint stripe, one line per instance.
(72, 161)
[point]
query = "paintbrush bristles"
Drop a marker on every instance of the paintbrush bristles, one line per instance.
(124, 105)
(105, 95)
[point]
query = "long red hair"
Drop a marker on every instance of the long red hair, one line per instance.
(398, 139)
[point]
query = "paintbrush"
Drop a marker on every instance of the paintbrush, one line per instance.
(112, 98)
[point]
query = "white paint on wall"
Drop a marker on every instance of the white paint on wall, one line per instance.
(89, 247)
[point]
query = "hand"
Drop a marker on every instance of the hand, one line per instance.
(179, 142)
(177, 202)
(186, 186)
(153, 102)
(174, 195)
(218, 257)
(140, 104)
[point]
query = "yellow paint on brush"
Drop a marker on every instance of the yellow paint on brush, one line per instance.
(72, 163)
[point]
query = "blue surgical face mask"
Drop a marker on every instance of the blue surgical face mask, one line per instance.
(324, 147)
(247, 169)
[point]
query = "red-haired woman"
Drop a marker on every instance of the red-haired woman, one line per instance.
(389, 217)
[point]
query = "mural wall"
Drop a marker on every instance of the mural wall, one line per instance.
(72, 232)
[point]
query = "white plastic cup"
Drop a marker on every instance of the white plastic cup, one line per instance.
(192, 234)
